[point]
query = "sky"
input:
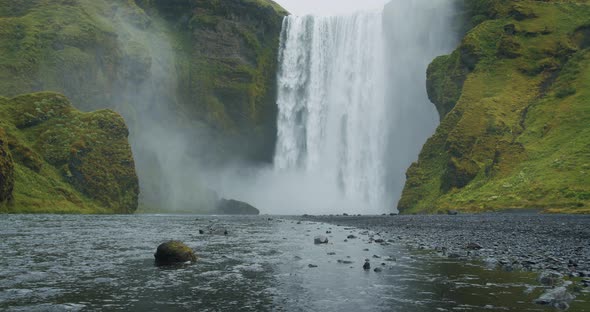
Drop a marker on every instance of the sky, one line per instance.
(329, 7)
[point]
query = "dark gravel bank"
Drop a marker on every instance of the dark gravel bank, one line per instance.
(512, 241)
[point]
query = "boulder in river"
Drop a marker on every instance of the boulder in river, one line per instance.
(557, 297)
(174, 252)
(550, 278)
(474, 246)
(235, 207)
(321, 239)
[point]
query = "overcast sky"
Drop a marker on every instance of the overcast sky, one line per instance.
(329, 7)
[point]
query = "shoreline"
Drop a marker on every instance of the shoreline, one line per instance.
(510, 241)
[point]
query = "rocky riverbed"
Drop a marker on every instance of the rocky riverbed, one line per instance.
(512, 241)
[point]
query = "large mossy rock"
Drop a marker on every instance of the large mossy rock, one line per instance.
(66, 160)
(174, 252)
(513, 100)
(6, 169)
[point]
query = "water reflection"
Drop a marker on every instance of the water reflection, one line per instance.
(105, 263)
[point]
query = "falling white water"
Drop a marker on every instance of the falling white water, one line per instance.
(353, 109)
(332, 103)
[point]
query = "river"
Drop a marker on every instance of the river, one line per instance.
(106, 263)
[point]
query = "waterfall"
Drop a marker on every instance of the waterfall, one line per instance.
(353, 110)
(332, 102)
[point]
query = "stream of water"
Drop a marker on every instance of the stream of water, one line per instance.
(105, 263)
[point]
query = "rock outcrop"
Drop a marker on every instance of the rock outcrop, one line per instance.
(513, 100)
(234, 207)
(64, 160)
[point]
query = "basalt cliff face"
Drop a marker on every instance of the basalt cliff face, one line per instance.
(514, 100)
(58, 159)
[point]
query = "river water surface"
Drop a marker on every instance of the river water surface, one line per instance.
(105, 263)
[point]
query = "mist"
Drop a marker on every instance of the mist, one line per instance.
(330, 7)
(353, 110)
(351, 158)
(167, 147)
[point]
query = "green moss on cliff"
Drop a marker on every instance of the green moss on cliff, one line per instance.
(228, 61)
(6, 168)
(207, 68)
(66, 161)
(517, 136)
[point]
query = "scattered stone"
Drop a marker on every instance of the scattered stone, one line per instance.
(345, 214)
(312, 266)
(328, 232)
(331, 253)
(351, 236)
(174, 252)
(377, 270)
(345, 261)
(321, 239)
(550, 278)
(474, 246)
(379, 241)
(376, 256)
(201, 232)
(517, 241)
(367, 266)
(225, 232)
(452, 212)
(557, 297)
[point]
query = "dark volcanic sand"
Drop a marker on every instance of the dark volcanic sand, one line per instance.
(528, 241)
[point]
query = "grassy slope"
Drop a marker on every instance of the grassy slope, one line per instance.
(66, 161)
(518, 136)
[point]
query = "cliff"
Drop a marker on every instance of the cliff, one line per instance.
(194, 79)
(58, 159)
(514, 103)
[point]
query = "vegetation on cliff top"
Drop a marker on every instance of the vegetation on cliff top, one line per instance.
(63, 160)
(514, 102)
